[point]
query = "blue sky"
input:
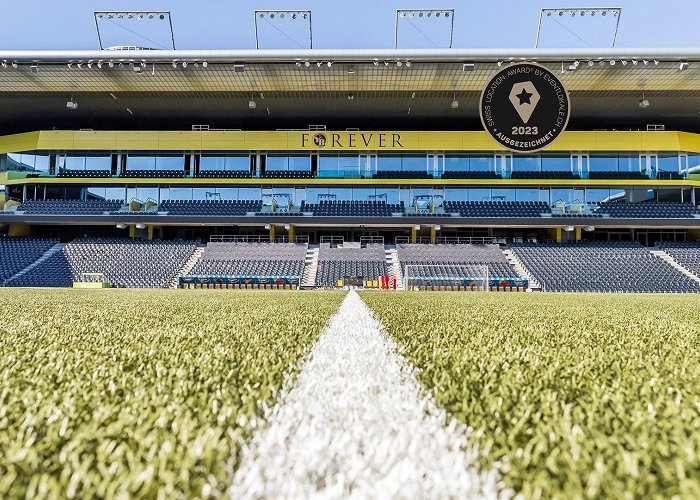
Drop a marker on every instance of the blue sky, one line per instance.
(228, 24)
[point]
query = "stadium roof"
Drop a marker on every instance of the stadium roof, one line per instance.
(357, 89)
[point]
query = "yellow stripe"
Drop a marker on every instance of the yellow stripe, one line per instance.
(349, 182)
(303, 141)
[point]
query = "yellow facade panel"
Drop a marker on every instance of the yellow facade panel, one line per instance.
(266, 141)
(137, 140)
(180, 141)
(55, 139)
(660, 141)
(479, 141)
(19, 142)
(618, 141)
(223, 140)
(95, 140)
(450, 141)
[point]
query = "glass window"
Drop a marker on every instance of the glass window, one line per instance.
(567, 195)
(98, 162)
(27, 161)
(249, 193)
(456, 194)
(302, 163)
(480, 163)
(389, 163)
(147, 193)
(694, 163)
(413, 163)
(479, 194)
(224, 162)
(628, 163)
(527, 194)
(608, 163)
(115, 193)
(170, 162)
(503, 195)
(94, 193)
(362, 194)
(668, 163)
(596, 195)
(277, 163)
(526, 163)
(160, 162)
(390, 195)
(141, 163)
(74, 163)
(228, 193)
(328, 165)
(556, 163)
(180, 193)
(456, 163)
(206, 193)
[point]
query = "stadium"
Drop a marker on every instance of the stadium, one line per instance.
(257, 191)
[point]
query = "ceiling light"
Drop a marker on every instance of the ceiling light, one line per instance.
(683, 65)
(499, 63)
(408, 64)
(643, 103)
(136, 68)
(318, 64)
(645, 62)
(238, 68)
(656, 63)
(590, 63)
(307, 64)
(252, 104)
(351, 97)
(612, 62)
(34, 69)
(129, 111)
(634, 62)
(376, 63)
(204, 64)
(113, 96)
(298, 64)
(111, 64)
(89, 65)
(624, 63)
(399, 63)
(80, 65)
(184, 64)
(72, 104)
(454, 104)
(70, 65)
(99, 64)
(329, 63)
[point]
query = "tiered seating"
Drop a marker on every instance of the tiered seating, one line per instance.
(125, 263)
(18, 253)
(210, 207)
(288, 174)
(497, 208)
(252, 259)
(406, 174)
(70, 207)
(471, 175)
(224, 174)
(687, 254)
(85, 173)
(544, 175)
(334, 263)
(618, 175)
(454, 261)
(648, 210)
(352, 208)
(669, 176)
(154, 173)
(602, 267)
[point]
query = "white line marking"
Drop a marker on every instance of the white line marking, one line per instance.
(358, 425)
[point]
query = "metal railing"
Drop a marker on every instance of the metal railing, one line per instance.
(333, 240)
(449, 240)
(365, 240)
(239, 238)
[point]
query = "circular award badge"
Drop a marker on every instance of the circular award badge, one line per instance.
(524, 107)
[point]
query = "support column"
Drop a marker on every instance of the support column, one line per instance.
(272, 233)
(577, 233)
(414, 234)
(18, 230)
(433, 235)
(132, 231)
(150, 232)
(291, 233)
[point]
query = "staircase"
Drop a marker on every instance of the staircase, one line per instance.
(519, 267)
(187, 266)
(394, 266)
(308, 277)
(664, 256)
(56, 248)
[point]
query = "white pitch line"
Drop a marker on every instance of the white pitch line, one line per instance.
(358, 425)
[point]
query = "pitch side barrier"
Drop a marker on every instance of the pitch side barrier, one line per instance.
(238, 281)
(465, 283)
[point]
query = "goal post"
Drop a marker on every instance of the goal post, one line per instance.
(473, 277)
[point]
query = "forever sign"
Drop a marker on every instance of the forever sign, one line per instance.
(524, 107)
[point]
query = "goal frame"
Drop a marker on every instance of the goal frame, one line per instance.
(482, 279)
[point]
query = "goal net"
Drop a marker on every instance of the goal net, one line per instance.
(471, 277)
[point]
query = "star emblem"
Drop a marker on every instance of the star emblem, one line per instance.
(524, 97)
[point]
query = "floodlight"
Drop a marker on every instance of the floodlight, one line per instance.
(351, 97)
(437, 227)
(307, 64)
(568, 229)
(174, 65)
(99, 64)
(184, 64)
(683, 65)
(468, 67)
(205, 64)
(238, 68)
(35, 69)
(136, 68)
(408, 64)
(89, 65)
(252, 104)
(111, 64)
(643, 103)
(399, 63)
(140, 225)
(72, 104)
(14, 65)
(590, 63)
(454, 104)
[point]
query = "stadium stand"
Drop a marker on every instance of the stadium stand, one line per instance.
(618, 176)
(334, 263)
(648, 210)
(224, 174)
(406, 174)
(687, 254)
(288, 174)
(210, 207)
(153, 174)
(125, 263)
(85, 173)
(497, 208)
(69, 207)
(471, 175)
(18, 253)
(464, 260)
(602, 267)
(544, 175)
(353, 208)
(252, 259)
